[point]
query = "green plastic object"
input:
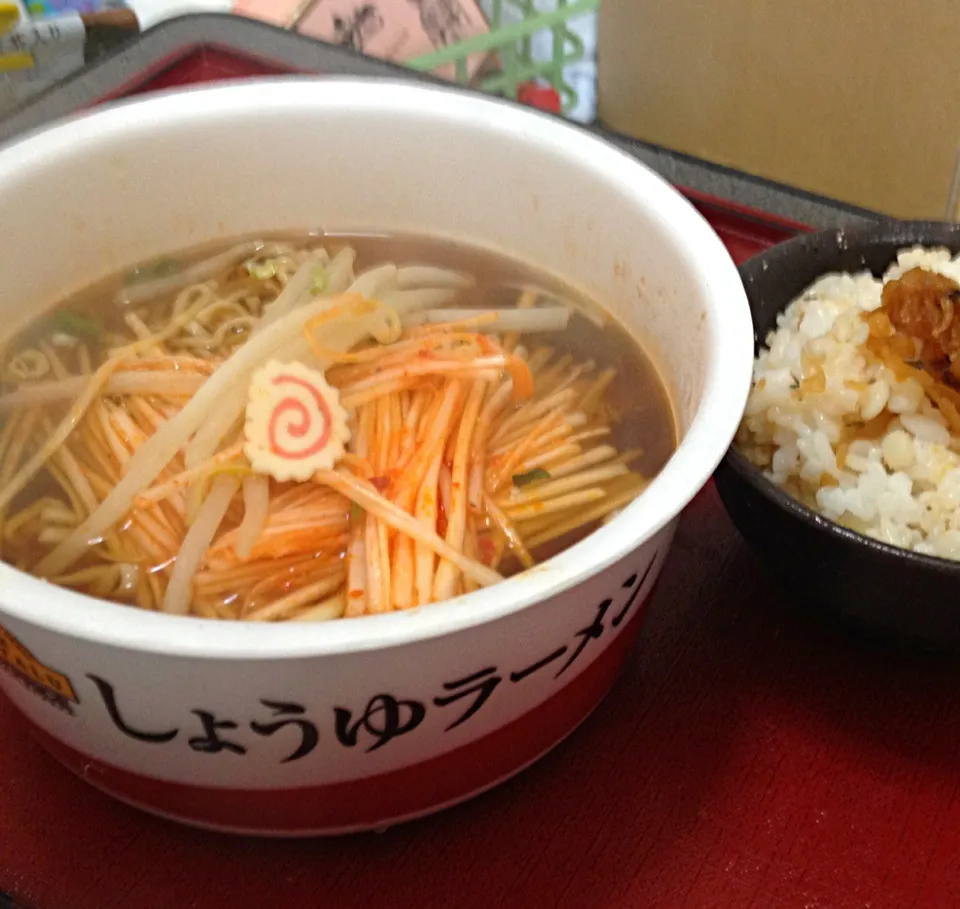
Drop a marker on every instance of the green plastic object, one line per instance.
(513, 24)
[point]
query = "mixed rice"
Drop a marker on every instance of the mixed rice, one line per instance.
(848, 414)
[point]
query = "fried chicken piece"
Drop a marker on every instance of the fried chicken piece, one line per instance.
(921, 304)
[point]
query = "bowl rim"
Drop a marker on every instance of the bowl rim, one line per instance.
(726, 380)
(885, 232)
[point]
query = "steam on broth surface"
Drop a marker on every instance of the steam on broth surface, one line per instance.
(318, 427)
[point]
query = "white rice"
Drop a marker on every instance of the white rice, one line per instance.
(903, 488)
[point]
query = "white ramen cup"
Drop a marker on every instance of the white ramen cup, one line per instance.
(291, 729)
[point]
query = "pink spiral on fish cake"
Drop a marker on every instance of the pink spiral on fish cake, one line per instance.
(293, 418)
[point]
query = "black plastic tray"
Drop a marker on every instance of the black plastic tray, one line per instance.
(206, 47)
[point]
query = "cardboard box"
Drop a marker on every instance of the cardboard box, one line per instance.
(856, 101)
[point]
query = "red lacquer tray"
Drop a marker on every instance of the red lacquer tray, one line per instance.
(749, 758)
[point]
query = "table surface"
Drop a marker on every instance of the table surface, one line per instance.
(749, 758)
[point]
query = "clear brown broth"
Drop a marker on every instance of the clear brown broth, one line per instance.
(644, 421)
